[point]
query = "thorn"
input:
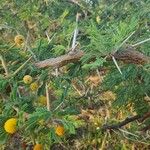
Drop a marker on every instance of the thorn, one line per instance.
(124, 41)
(139, 43)
(75, 33)
(56, 71)
(47, 96)
(115, 62)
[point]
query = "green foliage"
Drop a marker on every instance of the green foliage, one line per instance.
(48, 27)
(131, 87)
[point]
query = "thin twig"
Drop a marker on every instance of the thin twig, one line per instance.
(127, 132)
(48, 38)
(4, 65)
(120, 124)
(28, 47)
(97, 71)
(58, 106)
(135, 140)
(21, 67)
(78, 91)
(11, 46)
(103, 142)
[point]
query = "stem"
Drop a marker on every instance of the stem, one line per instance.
(4, 65)
(28, 47)
(21, 67)
(120, 124)
(103, 142)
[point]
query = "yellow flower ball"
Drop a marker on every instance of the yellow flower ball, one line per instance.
(27, 79)
(19, 39)
(38, 147)
(41, 122)
(10, 125)
(60, 130)
(42, 100)
(34, 86)
(98, 20)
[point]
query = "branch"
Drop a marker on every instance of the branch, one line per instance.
(128, 55)
(140, 118)
(145, 116)
(120, 124)
(60, 61)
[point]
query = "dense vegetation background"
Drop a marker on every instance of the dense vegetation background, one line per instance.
(95, 95)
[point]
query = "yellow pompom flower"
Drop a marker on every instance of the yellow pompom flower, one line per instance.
(38, 147)
(60, 130)
(41, 122)
(34, 86)
(19, 39)
(42, 100)
(27, 79)
(10, 125)
(98, 20)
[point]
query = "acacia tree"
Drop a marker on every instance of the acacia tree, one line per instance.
(82, 56)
